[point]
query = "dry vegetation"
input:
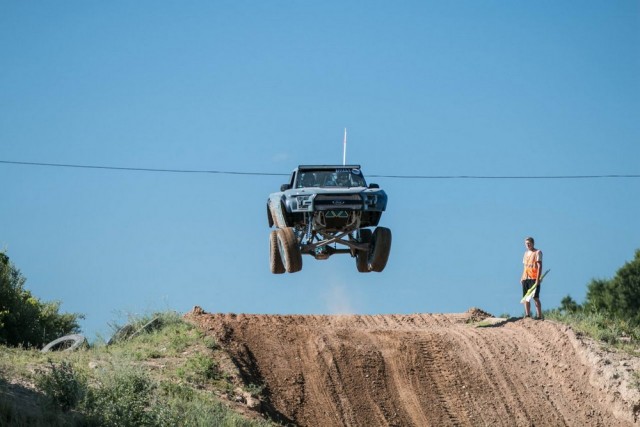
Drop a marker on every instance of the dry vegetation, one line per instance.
(168, 374)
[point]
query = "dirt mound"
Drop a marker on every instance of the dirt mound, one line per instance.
(426, 370)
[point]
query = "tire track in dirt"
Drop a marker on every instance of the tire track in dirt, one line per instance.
(422, 370)
(439, 364)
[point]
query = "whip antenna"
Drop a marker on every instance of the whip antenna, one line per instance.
(344, 148)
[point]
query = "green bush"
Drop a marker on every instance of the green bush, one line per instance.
(24, 319)
(62, 385)
(618, 297)
(121, 400)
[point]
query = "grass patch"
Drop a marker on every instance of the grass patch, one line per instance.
(157, 371)
(616, 333)
(199, 370)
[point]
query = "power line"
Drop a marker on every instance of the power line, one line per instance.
(503, 176)
(220, 172)
(116, 168)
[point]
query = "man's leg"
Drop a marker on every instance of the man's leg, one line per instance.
(527, 309)
(538, 307)
(526, 285)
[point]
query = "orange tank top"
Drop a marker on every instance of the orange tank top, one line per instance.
(530, 261)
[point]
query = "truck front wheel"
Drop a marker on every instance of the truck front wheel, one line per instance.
(275, 261)
(289, 250)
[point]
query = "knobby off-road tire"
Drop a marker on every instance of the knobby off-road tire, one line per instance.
(289, 250)
(379, 249)
(362, 257)
(275, 261)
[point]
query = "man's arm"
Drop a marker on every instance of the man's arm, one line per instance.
(539, 262)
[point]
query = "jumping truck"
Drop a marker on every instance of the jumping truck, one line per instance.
(326, 210)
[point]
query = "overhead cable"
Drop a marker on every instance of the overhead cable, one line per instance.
(138, 169)
(221, 172)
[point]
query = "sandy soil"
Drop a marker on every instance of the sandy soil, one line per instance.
(465, 369)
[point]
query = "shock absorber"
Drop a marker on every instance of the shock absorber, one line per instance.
(309, 232)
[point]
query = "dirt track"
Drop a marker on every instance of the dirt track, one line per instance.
(426, 370)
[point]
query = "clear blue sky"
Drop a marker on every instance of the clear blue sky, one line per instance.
(489, 88)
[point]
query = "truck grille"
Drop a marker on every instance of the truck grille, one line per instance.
(325, 202)
(337, 220)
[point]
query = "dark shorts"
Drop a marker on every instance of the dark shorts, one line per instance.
(527, 284)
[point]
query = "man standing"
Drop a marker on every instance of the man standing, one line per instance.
(532, 261)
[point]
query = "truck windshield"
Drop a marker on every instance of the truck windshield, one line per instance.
(325, 178)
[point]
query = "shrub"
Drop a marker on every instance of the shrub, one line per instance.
(24, 319)
(620, 296)
(62, 385)
(121, 400)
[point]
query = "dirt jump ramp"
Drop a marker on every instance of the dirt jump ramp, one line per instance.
(463, 369)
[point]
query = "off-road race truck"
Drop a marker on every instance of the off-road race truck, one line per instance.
(326, 210)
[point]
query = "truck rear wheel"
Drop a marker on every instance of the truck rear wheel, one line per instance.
(275, 261)
(289, 250)
(362, 256)
(379, 249)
